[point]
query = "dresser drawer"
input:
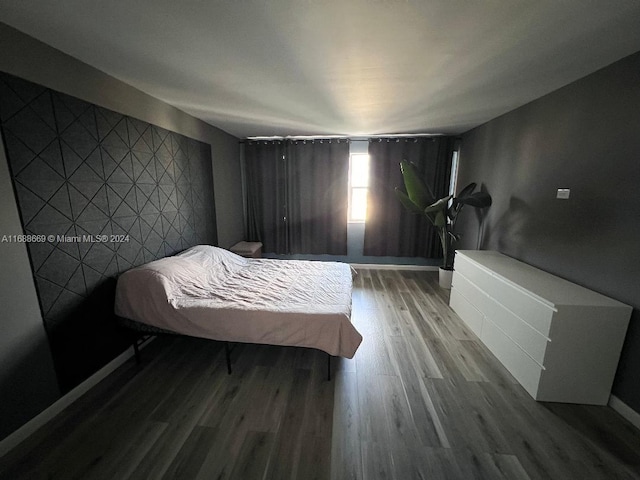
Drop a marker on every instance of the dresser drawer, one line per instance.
(530, 340)
(520, 365)
(561, 341)
(526, 307)
(466, 311)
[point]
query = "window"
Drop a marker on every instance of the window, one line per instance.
(454, 173)
(358, 186)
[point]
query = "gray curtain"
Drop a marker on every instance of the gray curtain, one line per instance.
(390, 230)
(317, 187)
(297, 195)
(265, 169)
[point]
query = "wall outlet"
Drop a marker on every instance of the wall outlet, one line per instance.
(563, 193)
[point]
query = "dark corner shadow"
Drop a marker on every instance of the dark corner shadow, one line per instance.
(84, 336)
(602, 427)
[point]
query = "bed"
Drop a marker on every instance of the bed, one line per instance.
(209, 292)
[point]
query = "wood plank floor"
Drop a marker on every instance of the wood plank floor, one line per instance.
(422, 399)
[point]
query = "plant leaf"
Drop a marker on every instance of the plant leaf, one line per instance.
(417, 191)
(454, 236)
(439, 206)
(478, 200)
(440, 220)
(408, 204)
(467, 190)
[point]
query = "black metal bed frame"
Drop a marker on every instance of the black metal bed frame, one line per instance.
(145, 332)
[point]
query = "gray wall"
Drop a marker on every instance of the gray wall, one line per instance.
(27, 379)
(586, 137)
(26, 371)
(32, 60)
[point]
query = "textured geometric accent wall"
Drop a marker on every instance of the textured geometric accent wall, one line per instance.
(107, 192)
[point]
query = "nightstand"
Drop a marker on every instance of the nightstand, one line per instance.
(248, 249)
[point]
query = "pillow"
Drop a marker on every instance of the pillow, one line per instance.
(218, 262)
(178, 276)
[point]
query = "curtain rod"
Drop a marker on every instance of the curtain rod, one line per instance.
(343, 137)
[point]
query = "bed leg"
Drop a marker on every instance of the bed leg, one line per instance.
(227, 353)
(328, 367)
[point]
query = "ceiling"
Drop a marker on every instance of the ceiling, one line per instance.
(338, 67)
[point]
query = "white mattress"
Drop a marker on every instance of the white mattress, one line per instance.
(212, 293)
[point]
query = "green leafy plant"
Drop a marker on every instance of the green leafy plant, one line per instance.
(442, 213)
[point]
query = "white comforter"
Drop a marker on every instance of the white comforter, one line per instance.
(212, 293)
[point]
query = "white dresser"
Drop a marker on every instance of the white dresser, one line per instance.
(561, 341)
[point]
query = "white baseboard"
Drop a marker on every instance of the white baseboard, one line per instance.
(625, 411)
(63, 402)
(376, 266)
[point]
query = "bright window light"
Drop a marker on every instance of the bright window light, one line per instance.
(454, 173)
(359, 170)
(358, 187)
(358, 204)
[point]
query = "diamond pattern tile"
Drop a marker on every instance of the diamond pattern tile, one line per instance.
(140, 136)
(58, 268)
(80, 170)
(106, 121)
(48, 293)
(40, 179)
(74, 115)
(31, 204)
(12, 103)
(21, 155)
(144, 169)
(82, 138)
(34, 131)
(41, 106)
(52, 156)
